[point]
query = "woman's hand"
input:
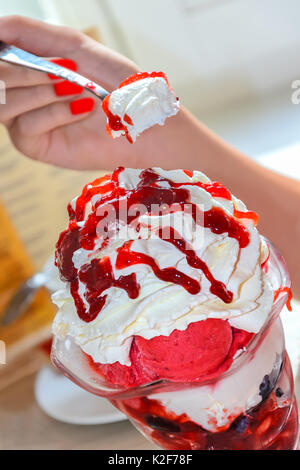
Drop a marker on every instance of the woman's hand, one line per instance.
(50, 120)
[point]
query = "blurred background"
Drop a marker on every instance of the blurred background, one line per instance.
(233, 64)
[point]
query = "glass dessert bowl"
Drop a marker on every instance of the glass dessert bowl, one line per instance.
(250, 406)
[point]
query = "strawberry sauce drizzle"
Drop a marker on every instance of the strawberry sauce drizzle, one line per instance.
(214, 188)
(97, 276)
(285, 290)
(114, 123)
(246, 215)
(126, 258)
(141, 76)
(217, 288)
(264, 265)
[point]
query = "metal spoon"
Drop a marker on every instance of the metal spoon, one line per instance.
(17, 56)
(22, 298)
(48, 277)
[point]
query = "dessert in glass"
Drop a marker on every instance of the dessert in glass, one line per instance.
(171, 311)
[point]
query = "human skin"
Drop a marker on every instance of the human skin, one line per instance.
(42, 127)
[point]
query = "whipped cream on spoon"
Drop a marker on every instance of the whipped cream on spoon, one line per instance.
(140, 102)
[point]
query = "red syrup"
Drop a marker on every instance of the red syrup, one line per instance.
(98, 276)
(114, 121)
(128, 119)
(67, 244)
(91, 86)
(141, 76)
(214, 188)
(147, 194)
(128, 258)
(271, 425)
(246, 215)
(264, 265)
(285, 290)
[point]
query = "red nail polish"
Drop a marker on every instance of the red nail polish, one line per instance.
(67, 88)
(85, 105)
(67, 63)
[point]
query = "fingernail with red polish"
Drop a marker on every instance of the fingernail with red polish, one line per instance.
(85, 105)
(67, 63)
(67, 88)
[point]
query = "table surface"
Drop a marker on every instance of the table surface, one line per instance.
(25, 426)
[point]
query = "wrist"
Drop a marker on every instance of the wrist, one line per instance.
(167, 146)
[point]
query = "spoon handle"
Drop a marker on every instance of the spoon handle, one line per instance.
(17, 56)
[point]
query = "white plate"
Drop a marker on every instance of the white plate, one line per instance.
(63, 400)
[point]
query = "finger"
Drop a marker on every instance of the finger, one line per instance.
(14, 76)
(22, 100)
(53, 116)
(96, 61)
(38, 37)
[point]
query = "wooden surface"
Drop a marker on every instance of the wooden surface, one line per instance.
(25, 426)
(16, 266)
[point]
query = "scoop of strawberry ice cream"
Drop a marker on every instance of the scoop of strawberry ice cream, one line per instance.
(202, 351)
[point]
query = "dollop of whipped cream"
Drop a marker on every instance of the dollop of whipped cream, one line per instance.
(185, 250)
(140, 102)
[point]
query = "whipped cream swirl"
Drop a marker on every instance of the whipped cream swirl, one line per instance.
(140, 102)
(147, 284)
